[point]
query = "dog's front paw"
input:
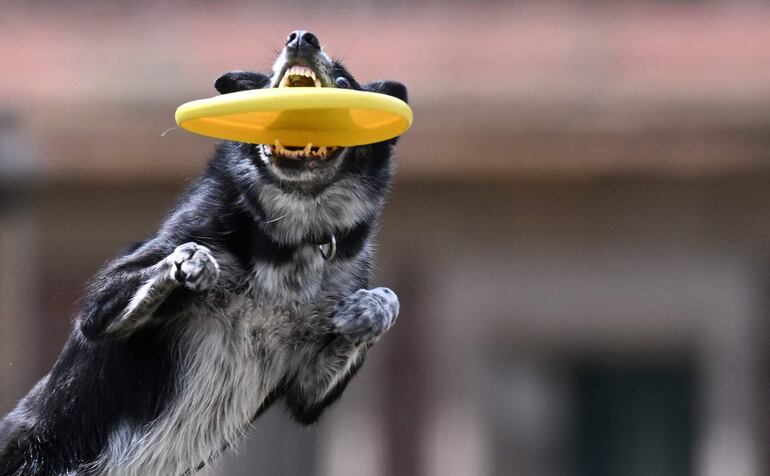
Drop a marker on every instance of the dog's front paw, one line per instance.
(366, 314)
(194, 266)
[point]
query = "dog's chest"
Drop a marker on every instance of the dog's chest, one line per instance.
(235, 350)
(233, 356)
(297, 280)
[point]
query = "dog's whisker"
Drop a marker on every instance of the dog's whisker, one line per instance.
(163, 134)
(273, 220)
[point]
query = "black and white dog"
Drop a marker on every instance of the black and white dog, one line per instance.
(255, 289)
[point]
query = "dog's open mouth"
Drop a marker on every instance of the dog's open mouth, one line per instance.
(299, 76)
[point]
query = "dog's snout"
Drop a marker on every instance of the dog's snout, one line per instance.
(299, 40)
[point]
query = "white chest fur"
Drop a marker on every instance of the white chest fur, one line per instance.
(232, 358)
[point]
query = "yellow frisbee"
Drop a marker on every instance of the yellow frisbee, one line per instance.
(296, 116)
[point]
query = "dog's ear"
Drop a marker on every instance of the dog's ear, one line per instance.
(240, 81)
(391, 88)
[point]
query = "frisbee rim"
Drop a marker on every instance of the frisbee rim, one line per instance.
(192, 115)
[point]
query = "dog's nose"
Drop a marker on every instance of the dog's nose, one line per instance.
(300, 39)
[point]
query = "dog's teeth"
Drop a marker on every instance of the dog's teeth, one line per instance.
(322, 152)
(298, 71)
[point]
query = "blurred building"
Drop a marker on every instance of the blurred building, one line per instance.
(579, 232)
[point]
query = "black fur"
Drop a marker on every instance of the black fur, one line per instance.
(123, 367)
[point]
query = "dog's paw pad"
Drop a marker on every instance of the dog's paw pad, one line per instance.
(366, 314)
(194, 266)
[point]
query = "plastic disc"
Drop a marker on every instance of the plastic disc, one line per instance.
(296, 116)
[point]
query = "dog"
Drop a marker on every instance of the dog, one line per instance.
(254, 290)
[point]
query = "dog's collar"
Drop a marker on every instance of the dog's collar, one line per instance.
(329, 249)
(341, 244)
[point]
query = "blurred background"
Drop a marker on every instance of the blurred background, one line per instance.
(579, 231)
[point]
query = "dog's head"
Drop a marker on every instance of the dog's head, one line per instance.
(303, 63)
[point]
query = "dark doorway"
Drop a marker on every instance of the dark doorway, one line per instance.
(634, 420)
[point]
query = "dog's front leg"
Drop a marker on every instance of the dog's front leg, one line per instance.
(126, 294)
(356, 323)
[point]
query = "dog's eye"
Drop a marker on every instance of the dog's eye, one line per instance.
(342, 82)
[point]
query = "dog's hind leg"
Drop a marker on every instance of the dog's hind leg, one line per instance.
(357, 322)
(130, 290)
